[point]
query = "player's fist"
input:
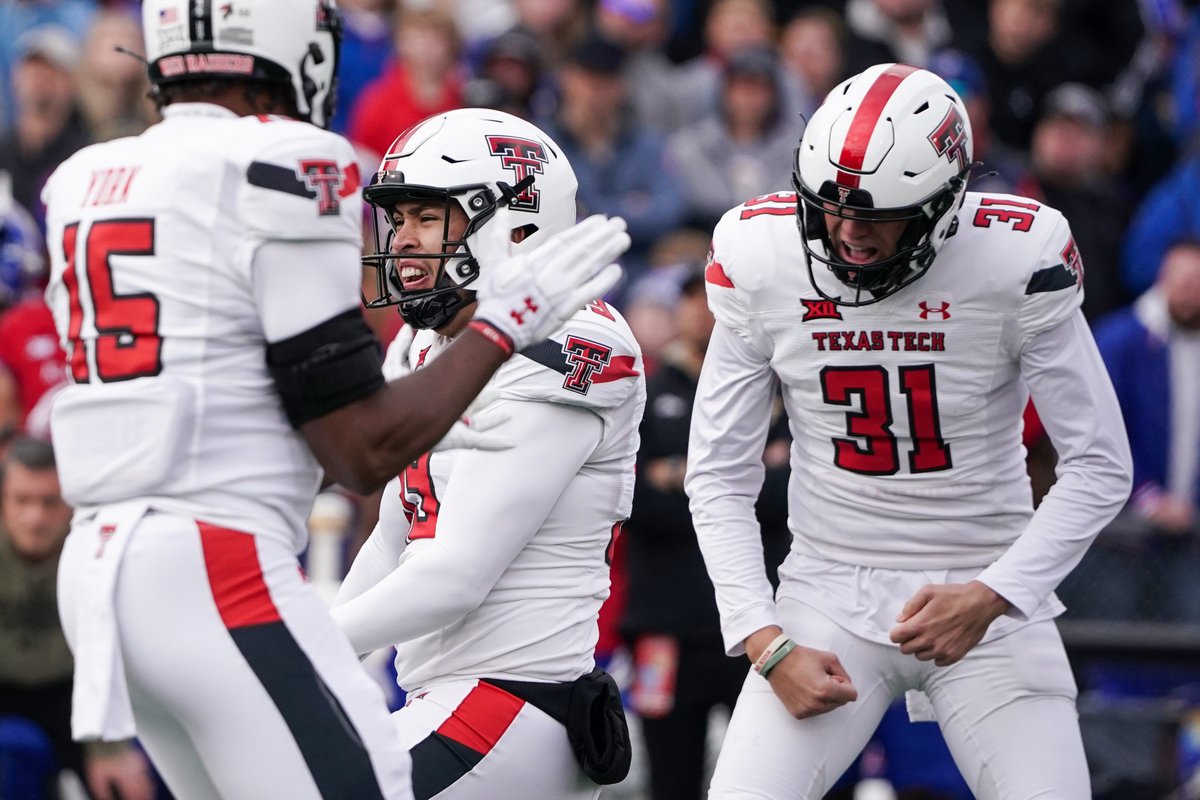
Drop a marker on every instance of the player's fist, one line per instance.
(525, 297)
(811, 682)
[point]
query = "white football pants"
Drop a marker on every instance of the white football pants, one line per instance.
(241, 685)
(1007, 711)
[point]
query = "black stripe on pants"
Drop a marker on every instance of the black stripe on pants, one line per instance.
(328, 741)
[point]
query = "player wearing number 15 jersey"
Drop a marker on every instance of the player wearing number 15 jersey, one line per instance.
(908, 321)
(205, 286)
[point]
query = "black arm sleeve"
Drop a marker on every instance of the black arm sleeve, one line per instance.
(326, 367)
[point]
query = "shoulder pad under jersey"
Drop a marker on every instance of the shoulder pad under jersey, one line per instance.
(592, 361)
(300, 183)
(1022, 249)
(744, 256)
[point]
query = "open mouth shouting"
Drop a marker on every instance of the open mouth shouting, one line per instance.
(416, 275)
(857, 253)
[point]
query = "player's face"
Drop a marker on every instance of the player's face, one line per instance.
(856, 241)
(419, 227)
(35, 515)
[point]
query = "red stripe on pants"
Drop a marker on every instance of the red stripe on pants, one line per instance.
(231, 558)
(482, 718)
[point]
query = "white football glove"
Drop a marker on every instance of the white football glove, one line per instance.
(395, 359)
(527, 296)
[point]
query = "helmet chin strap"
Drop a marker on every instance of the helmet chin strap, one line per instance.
(434, 311)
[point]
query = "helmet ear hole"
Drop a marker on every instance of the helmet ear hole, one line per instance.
(524, 232)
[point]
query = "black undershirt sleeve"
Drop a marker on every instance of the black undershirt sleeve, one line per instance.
(326, 367)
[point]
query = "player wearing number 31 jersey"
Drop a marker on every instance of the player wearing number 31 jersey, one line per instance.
(908, 322)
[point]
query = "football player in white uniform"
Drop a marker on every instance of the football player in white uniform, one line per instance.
(906, 351)
(487, 568)
(206, 289)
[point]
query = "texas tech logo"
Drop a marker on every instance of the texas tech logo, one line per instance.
(949, 139)
(524, 157)
(1073, 261)
(585, 358)
(326, 179)
(820, 309)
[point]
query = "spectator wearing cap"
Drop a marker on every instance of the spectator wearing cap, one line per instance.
(512, 76)
(423, 80)
(622, 166)
(17, 18)
(730, 27)
(641, 28)
(1019, 65)
(47, 126)
(558, 25)
(1069, 155)
(1003, 169)
(739, 151)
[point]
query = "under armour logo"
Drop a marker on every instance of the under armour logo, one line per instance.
(519, 313)
(944, 310)
(106, 533)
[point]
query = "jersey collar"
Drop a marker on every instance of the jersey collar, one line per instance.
(194, 110)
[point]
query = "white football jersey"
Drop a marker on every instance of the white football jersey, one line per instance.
(152, 239)
(538, 621)
(906, 414)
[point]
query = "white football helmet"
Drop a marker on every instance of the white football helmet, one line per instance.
(482, 160)
(292, 42)
(892, 139)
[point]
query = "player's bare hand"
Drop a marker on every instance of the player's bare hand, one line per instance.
(941, 623)
(810, 682)
(123, 775)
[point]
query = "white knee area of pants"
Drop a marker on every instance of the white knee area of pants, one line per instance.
(770, 755)
(1008, 714)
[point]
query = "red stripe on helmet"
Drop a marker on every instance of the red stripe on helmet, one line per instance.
(854, 149)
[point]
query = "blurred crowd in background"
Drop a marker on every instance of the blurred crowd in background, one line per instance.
(672, 112)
